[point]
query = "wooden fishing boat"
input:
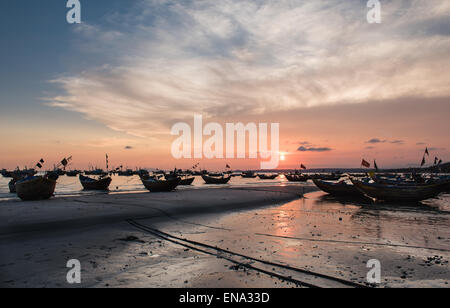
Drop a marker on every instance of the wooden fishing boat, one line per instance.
(296, 178)
(95, 184)
(337, 189)
(155, 185)
(267, 176)
(72, 173)
(400, 193)
(248, 175)
(216, 181)
(215, 174)
(35, 188)
(12, 186)
(187, 181)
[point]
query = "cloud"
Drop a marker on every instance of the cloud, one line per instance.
(305, 149)
(167, 60)
(399, 142)
(370, 148)
(128, 147)
(376, 140)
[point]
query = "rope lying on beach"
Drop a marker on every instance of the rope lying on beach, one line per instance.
(228, 255)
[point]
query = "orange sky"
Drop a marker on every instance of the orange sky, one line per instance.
(341, 91)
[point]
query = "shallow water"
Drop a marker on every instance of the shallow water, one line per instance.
(337, 237)
(70, 186)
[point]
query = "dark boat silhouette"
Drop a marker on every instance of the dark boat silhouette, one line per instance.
(337, 189)
(156, 185)
(187, 181)
(296, 177)
(248, 175)
(400, 193)
(35, 188)
(216, 180)
(267, 177)
(95, 184)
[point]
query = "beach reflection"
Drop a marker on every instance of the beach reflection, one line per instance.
(329, 234)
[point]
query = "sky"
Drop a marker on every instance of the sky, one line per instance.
(340, 88)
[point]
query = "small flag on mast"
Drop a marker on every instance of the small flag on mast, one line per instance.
(375, 165)
(426, 152)
(365, 163)
(40, 163)
(303, 167)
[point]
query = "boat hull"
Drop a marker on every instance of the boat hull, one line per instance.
(337, 189)
(216, 181)
(296, 178)
(161, 186)
(91, 184)
(38, 188)
(400, 193)
(187, 182)
(267, 177)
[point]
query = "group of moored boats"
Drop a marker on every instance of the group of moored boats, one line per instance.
(388, 187)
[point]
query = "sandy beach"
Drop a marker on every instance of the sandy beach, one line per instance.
(225, 237)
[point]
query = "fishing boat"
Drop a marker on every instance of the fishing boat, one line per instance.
(248, 175)
(35, 188)
(155, 185)
(72, 173)
(267, 176)
(95, 184)
(127, 172)
(296, 177)
(187, 181)
(337, 189)
(215, 174)
(216, 180)
(400, 193)
(12, 186)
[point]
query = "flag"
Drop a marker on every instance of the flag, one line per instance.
(375, 165)
(64, 162)
(40, 163)
(228, 166)
(440, 162)
(364, 163)
(436, 160)
(303, 167)
(423, 162)
(426, 152)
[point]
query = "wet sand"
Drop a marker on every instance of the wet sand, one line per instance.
(317, 234)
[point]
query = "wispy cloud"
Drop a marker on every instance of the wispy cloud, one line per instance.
(171, 59)
(376, 140)
(398, 142)
(305, 149)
